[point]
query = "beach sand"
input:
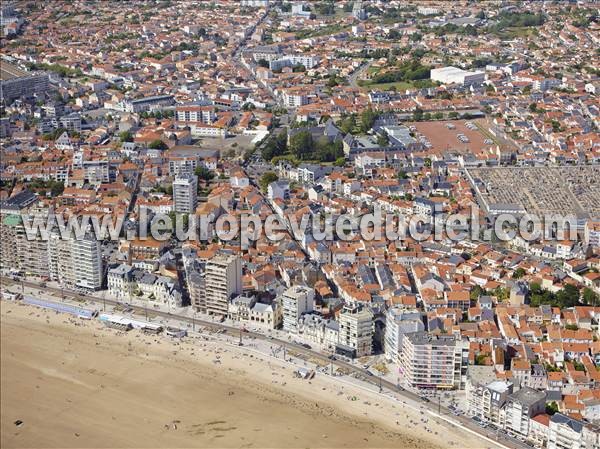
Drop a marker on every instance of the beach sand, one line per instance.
(75, 383)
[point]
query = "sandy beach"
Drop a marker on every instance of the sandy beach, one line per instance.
(75, 383)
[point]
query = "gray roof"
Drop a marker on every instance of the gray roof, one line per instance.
(528, 396)
(559, 418)
(18, 201)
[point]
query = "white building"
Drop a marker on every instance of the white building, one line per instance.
(356, 331)
(195, 114)
(566, 433)
(399, 322)
(454, 75)
(296, 301)
(434, 361)
(279, 190)
(521, 406)
(223, 280)
(76, 262)
(487, 401)
(185, 194)
(319, 330)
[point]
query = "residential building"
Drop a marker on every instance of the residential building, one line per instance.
(356, 331)
(521, 406)
(565, 433)
(487, 401)
(223, 280)
(76, 263)
(185, 194)
(398, 323)
(434, 361)
(19, 84)
(296, 301)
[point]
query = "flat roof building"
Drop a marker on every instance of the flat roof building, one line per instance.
(454, 75)
(17, 84)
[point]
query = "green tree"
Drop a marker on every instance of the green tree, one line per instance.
(267, 179)
(519, 273)
(367, 119)
(158, 145)
(204, 173)
(347, 124)
(301, 144)
(126, 136)
(383, 139)
(551, 408)
(590, 297)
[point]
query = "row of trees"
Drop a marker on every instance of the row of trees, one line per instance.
(568, 296)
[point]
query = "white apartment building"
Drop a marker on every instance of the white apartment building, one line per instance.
(296, 301)
(76, 262)
(434, 361)
(294, 98)
(356, 331)
(592, 233)
(119, 281)
(399, 322)
(307, 61)
(223, 280)
(566, 433)
(521, 406)
(319, 330)
(185, 194)
(183, 165)
(487, 401)
(97, 171)
(195, 114)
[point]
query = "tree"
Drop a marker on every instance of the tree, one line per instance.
(301, 143)
(551, 408)
(383, 139)
(367, 119)
(126, 136)
(340, 162)
(267, 179)
(568, 296)
(263, 63)
(204, 173)
(326, 8)
(158, 145)
(275, 146)
(56, 188)
(418, 114)
(590, 297)
(476, 292)
(347, 124)
(519, 273)
(533, 107)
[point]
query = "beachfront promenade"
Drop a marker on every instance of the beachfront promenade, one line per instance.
(434, 409)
